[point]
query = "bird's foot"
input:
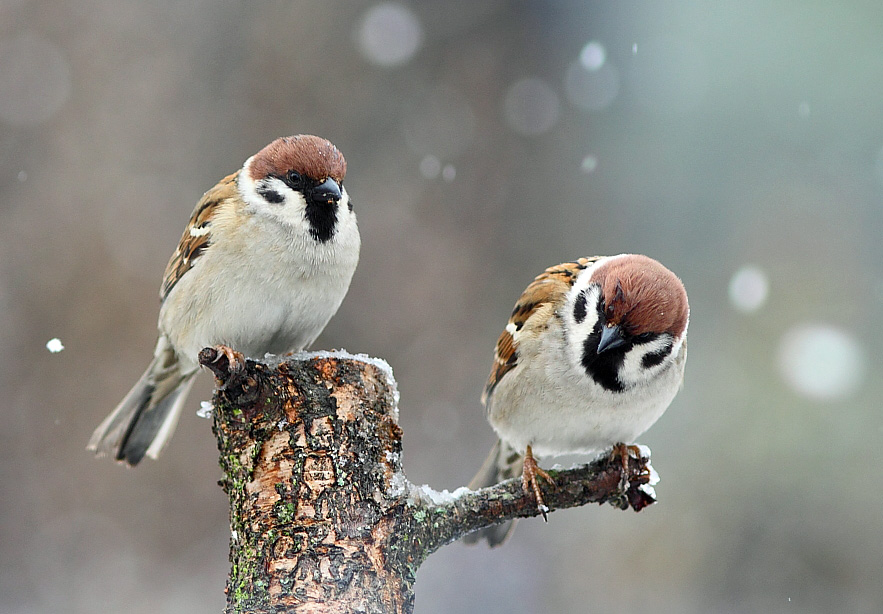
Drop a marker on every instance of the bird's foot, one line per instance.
(622, 452)
(235, 359)
(529, 481)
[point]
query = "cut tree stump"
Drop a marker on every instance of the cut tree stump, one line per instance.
(322, 517)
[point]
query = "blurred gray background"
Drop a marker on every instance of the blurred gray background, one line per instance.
(739, 143)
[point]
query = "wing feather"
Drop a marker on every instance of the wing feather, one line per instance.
(548, 287)
(197, 235)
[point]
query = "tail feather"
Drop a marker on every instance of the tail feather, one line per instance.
(108, 438)
(501, 464)
(154, 425)
(145, 419)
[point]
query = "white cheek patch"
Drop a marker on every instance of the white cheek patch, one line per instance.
(273, 191)
(265, 194)
(635, 369)
(245, 183)
(270, 191)
(270, 196)
(580, 315)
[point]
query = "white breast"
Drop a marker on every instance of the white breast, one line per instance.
(262, 289)
(553, 406)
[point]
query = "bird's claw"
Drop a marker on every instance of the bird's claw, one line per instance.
(529, 481)
(622, 452)
(236, 360)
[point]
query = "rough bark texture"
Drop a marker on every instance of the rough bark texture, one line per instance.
(322, 517)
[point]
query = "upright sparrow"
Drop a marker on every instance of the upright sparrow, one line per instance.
(262, 266)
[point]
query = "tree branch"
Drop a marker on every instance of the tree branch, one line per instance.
(322, 516)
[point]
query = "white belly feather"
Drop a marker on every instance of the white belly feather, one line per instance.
(286, 306)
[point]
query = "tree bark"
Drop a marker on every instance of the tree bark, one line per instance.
(322, 517)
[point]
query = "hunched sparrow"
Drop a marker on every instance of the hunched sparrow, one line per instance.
(593, 354)
(264, 263)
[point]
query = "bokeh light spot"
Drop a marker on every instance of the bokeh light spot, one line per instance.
(389, 34)
(430, 167)
(593, 55)
(749, 288)
(804, 110)
(531, 107)
(821, 362)
(35, 80)
(589, 164)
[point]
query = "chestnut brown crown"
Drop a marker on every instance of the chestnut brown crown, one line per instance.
(642, 296)
(309, 155)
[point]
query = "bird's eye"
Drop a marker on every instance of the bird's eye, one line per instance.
(294, 179)
(644, 337)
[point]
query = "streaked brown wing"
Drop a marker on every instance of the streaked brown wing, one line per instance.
(550, 286)
(197, 235)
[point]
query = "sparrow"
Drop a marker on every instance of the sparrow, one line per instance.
(263, 264)
(591, 357)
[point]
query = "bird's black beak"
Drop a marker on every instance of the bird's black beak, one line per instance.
(611, 337)
(326, 193)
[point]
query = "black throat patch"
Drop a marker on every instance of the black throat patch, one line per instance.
(322, 217)
(603, 368)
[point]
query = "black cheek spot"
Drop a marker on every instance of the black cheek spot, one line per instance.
(349, 204)
(654, 358)
(271, 196)
(579, 309)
